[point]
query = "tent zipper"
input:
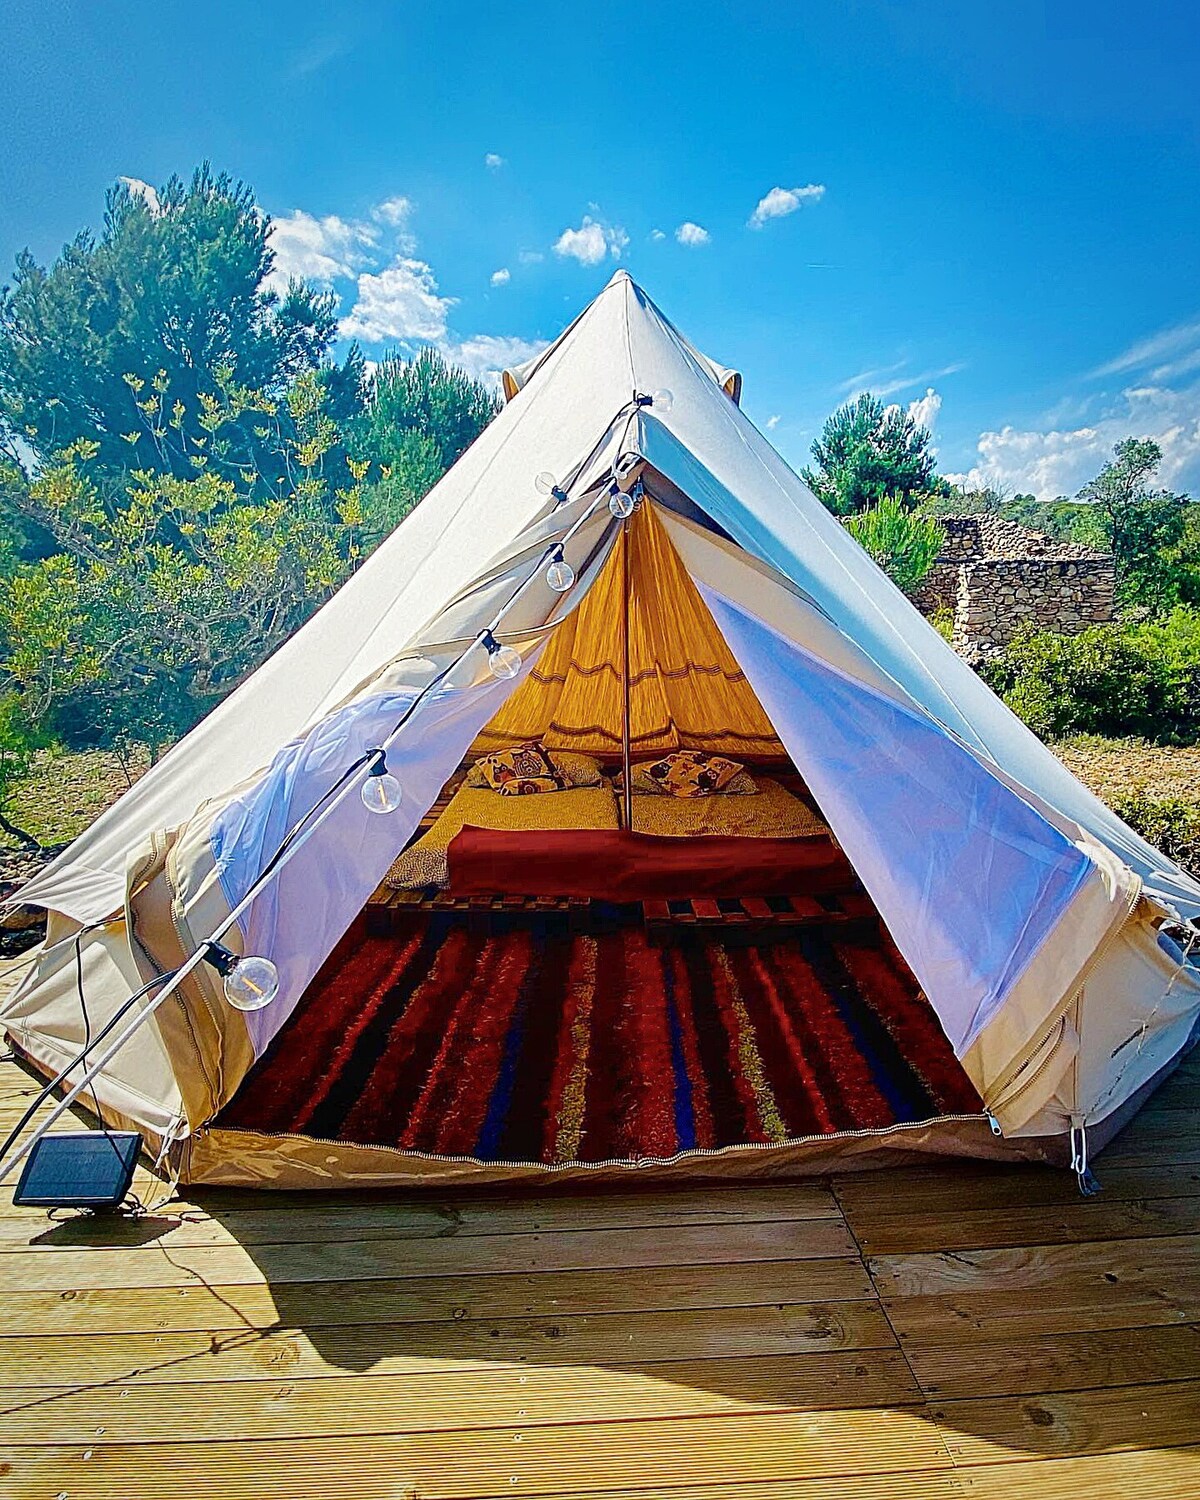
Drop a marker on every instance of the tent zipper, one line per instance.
(614, 1161)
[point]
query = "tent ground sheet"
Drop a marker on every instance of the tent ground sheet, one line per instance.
(539, 1045)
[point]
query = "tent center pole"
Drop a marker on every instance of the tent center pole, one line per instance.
(625, 713)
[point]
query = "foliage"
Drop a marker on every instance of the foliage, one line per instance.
(127, 339)
(1144, 529)
(904, 543)
(421, 416)
(165, 591)
(1171, 824)
(868, 450)
(1132, 679)
(16, 755)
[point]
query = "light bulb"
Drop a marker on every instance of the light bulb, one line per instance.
(251, 983)
(560, 575)
(545, 483)
(621, 505)
(503, 662)
(381, 792)
(662, 400)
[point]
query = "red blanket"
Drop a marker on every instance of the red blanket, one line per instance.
(613, 865)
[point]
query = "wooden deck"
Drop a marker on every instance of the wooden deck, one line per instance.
(940, 1331)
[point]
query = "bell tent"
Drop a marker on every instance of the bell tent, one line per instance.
(915, 931)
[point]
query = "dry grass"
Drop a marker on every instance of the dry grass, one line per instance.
(1114, 769)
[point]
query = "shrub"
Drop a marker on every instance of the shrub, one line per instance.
(1171, 824)
(904, 543)
(1114, 680)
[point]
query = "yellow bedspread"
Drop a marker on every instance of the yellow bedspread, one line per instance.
(424, 863)
(773, 813)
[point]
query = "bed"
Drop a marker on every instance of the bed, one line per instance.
(424, 863)
(570, 843)
(771, 813)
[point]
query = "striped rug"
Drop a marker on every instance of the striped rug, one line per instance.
(535, 1045)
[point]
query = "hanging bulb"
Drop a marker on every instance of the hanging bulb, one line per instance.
(546, 484)
(381, 792)
(503, 662)
(662, 400)
(621, 504)
(249, 983)
(560, 575)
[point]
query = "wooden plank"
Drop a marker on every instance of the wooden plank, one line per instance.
(1067, 1423)
(967, 1187)
(257, 1220)
(215, 1306)
(1158, 1474)
(530, 1460)
(358, 1260)
(460, 1400)
(1072, 1306)
(1100, 1262)
(316, 1352)
(1067, 1362)
(1069, 1223)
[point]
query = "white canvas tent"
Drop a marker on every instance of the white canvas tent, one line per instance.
(1045, 933)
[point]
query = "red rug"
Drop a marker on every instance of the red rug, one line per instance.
(533, 1045)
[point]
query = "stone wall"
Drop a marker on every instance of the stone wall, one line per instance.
(998, 598)
(999, 578)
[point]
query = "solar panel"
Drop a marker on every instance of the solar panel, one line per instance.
(79, 1169)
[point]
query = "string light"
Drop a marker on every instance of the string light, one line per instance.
(621, 504)
(503, 662)
(381, 792)
(560, 575)
(661, 400)
(249, 983)
(546, 484)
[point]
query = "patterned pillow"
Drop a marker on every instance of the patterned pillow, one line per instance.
(520, 763)
(691, 773)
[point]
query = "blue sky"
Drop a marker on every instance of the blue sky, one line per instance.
(996, 204)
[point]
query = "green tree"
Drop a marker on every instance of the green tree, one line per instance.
(868, 450)
(904, 543)
(127, 336)
(421, 416)
(166, 591)
(1144, 528)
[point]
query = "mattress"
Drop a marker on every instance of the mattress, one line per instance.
(424, 862)
(772, 813)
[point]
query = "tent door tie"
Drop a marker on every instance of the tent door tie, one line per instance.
(1088, 1183)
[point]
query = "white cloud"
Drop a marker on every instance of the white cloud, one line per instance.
(530, 257)
(692, 234)
(773, 422)
(400, 304)
(924, 410)
(1059, 461)
(493, 161)
(658, 234)
(592, 241)
(394, 211)
(781, 201)
(317, 249)
(878, 383)
(141, 189)
(486, 355)
(1172, 351)
(501, 277)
